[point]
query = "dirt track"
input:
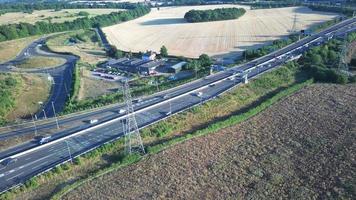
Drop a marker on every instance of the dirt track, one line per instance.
(168, 27)
(301, 148)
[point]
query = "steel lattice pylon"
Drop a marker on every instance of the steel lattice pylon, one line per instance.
(342, 62)
(133, 141)
(294, 26)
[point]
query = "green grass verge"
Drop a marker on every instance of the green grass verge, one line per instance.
(75, 82)
(41, 62)
(233, 120)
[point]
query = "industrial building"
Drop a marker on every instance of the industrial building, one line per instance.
(176, 67)
(135, 65)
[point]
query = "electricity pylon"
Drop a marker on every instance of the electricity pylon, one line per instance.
(294, 27)
(133, 141)
(342, 62)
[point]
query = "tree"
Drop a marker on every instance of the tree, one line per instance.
(113, 52)
(316, 59)
(194, 66)
(205, 61)
(83, 13)
(164, 51)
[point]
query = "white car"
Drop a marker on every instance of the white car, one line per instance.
(92, 121)
(199, 94)
(122, 111)
(44, 139)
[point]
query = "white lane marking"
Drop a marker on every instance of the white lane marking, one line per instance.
(30, 163)
(39, 166)
(14, 176)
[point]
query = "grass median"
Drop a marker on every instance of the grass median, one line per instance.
(41, 62)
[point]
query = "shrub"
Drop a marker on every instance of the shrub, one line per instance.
(32, 183)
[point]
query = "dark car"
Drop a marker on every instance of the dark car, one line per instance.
(8, 161)
(137, 100)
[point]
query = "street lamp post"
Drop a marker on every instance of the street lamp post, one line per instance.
(34, 124)
(33, 121)
(70, 154)
(157, 85)
(55, 115)
(68, 94)
(44, 112)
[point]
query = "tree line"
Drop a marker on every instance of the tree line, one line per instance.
(7, 85)
(194, 16)
(325, 8)
(323, 62)
(30, 7)
(14, 31)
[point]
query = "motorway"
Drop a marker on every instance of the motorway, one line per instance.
(61, 76)
(38, 159)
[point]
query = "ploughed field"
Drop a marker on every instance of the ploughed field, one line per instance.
(168, 27)
(303, 147)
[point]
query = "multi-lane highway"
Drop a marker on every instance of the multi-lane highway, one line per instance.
(39, 158)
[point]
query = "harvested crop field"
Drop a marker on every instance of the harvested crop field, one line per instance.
(300, 148)
(50, 15)
(168, 27)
